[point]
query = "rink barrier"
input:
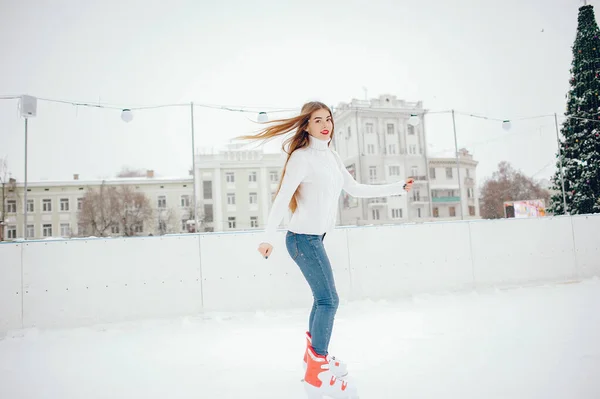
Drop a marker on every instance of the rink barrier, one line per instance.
(78, 282)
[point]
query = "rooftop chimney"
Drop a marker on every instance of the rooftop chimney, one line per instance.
(150, 174)
(76, 176)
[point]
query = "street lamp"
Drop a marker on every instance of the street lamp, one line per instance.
(462, 212)
(28, 108)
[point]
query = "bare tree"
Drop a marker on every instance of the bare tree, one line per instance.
(114, 210)
(508, 184)
(167, 221)
(135, 210)
(128, 172)
(99, 211)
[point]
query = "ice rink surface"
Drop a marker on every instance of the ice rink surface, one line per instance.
(520, 343)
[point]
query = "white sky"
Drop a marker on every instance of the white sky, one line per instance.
(490, 58)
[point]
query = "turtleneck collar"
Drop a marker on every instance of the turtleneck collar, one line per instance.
(320, 145)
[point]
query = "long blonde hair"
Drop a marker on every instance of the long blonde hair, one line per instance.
(298, 140)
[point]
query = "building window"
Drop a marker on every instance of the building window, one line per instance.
(230, 177)
(274, 177)
(390, 128)
(470, 192)
(252, 177)
(468, 172)
(370, 149)
(414, 170)
(64, 204)
(208, 213)
(138, 228)
(452, 211)
(47, 230)
(207, 189)
(230, 199)
(162, 201)
(114, 229)
(30, 206)
(185, 201)
(253, 198)
(349, 132)
(394, 170)
(183, 225)
(411, 130)
(11, 206)
(419, 212)
(65, 230)
(449, 173)
(436, 212)
(412, 149)
(375, 214)
(471, 210)
(231, 221)
(369, 128)
(432, 173)
(30, 231)
(79, 203)
(47, 205)
(11, 232)
(373, 173)
(392, 148)
(396, 213)
(253, 221)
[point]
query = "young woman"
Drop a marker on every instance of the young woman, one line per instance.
(312, 180)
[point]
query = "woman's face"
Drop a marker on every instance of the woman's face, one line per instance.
(320, 124)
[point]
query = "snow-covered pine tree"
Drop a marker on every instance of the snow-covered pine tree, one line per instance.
(580, 149)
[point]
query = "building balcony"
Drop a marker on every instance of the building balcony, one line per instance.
(420, 199)
(446, 199)
(469, 181)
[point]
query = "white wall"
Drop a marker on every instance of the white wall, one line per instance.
(10, 286)
(81, 282)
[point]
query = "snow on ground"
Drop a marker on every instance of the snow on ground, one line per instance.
(535, 342)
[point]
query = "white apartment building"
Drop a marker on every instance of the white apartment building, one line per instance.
(448, 197)
(379, 146)
(53, 206)
(236, 186)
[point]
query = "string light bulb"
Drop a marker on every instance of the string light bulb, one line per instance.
(263, 117)
(413, 120)
(127, 115)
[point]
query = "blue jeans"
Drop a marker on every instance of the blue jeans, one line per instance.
(309, 254)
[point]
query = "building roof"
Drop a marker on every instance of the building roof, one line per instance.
(110, 181)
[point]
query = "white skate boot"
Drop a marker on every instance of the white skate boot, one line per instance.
(319, 381)
(337, 367)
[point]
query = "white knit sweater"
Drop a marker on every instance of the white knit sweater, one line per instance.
(321, 175)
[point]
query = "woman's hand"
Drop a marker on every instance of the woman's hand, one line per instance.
(408, 184)
(265, 249)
